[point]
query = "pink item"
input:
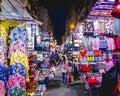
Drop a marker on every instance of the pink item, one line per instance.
(2, 88)
(96, 44)
(111, 44)
(2, 59)
(108, 65)
(18, 45)
(64, 67)
(16, 80)
(117, 42)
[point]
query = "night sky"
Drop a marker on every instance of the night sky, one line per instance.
(58, 18)
(58, 11)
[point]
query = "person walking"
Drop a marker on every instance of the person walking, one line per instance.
(64, 69)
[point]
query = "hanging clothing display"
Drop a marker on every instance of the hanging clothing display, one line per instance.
(19, 33)
(117, 26)
(109, 27)
(18, 71)
(117, 42)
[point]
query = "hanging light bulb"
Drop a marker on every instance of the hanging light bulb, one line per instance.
(116, 10)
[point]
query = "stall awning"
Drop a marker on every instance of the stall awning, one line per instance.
(13, 10)
(101, 10)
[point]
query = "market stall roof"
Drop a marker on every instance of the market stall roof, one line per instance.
(13, 10)
(101, 10)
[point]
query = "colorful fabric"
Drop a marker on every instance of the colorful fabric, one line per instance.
(85, 68)
(103, 44)
(18, 46)
(108, 65)
(109, 27)
(3, 47)
(16, 80)
(3, 73)
(3, 59)
(3, 32)
(96, 27)
(95, 44)
(117, 42)
(82, 59)
(83, 53)
(3, 50)
(94, 68)
(107, 55)
(18, 68)
(98, 53)
(98, 59)
(87, 42)
(90, 53)
(117, 26)
(2, 88)
(21, 58)
(19, 33)
(111, 44)
(90, 58)
(88, 26)
(17, 91)
(102, 27)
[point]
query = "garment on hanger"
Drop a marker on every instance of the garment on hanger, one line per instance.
(117, 42)
(17, 91)
(95, 44)
(18, 46)
(102, 27)
(111, 44)
(16, 80)
(18, 68)
(108, 65)
(96, 27)
(109, 27)
(117, 26)
(2, 88)
(103, 43)
(19, 33)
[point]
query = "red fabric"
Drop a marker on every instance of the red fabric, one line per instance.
(85, 68)
(83, 53)
(98, 52)
(68, 78)
(117, 42)
(92, 80)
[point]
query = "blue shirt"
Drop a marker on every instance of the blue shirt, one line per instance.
(18, 68)
(103, 44)
(19, 33)
(3, 73)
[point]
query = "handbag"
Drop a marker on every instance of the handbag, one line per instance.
(68, 78)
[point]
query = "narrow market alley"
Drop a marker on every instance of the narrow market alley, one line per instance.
(59, 47)
(75, 88)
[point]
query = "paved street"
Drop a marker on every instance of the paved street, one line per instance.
(62, 91)
(75, 89)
